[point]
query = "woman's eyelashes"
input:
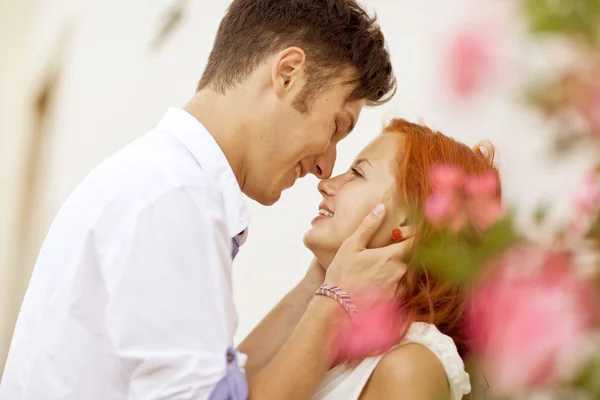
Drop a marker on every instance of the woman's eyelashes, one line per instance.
(356, 173)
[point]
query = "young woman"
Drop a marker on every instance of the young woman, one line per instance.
(426, 363)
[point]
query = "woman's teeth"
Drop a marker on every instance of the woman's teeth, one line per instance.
(325, 213)
(298, 171)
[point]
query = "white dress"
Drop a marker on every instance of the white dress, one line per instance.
(347, 383)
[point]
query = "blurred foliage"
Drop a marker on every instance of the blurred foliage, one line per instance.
(571, 17)
(570, 103)
(461, 256)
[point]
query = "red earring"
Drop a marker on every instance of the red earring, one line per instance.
(396, 234)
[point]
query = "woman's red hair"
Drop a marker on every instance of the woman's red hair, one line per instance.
(423, 296)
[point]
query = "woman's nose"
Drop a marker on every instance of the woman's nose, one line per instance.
(329, 186)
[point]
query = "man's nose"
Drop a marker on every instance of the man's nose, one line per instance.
(324, 163)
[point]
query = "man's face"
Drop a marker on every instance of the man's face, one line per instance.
(296, 143)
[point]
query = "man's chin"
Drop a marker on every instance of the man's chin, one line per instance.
(272, 194)
(267, 199)
(271, 201)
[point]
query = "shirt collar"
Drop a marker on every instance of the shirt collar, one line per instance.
(200, 143)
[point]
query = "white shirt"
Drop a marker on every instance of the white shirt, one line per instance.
(131, 296)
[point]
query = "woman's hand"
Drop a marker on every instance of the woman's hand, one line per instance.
(356, 268)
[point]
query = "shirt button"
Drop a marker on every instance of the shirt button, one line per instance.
(229, 358)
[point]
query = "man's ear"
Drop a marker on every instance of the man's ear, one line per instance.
(288, 71)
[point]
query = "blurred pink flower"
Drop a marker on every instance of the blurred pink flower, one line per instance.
(441, 207)
(587, 199)
(469, 62)
(445, 177)
(482, 201)
(458, 221)
(484, 185)
(486, 213)
(528, 318)
(457, 198)
(588, 104)
(376, 329)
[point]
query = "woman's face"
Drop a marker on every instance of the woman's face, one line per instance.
(349, 197)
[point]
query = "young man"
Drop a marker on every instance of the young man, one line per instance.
(131, 295)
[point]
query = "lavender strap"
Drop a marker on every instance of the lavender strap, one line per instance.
(234, 249)
(233, 386)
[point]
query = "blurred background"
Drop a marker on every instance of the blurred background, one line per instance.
(80, 79)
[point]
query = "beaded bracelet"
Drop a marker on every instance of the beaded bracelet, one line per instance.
(342, 297)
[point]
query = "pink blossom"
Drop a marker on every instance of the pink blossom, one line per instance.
(587, 199)
(484, 185)
(577, 227)
(440, 207)
(445, 177)
(486, 213)
(588, 103)
(458, 221)
(457, 198)
(528, 320)
(469, 62)
(482, 202)
(376, 329)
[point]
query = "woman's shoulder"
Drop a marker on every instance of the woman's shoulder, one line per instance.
(426, 364)
(411, 369)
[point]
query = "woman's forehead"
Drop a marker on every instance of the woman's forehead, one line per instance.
(384, 146)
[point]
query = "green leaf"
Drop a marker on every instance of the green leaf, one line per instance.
(499, 237)
(588, 378)
(579, 17)
(449, 258)
(594, 231)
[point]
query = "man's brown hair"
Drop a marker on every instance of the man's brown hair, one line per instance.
(334, 34)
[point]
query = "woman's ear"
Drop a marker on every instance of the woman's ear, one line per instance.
(401, 233)
(398, 220)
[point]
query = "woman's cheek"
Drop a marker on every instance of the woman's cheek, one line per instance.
(383, 236)
(342, 231)
(350, 213)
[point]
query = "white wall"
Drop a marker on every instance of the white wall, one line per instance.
(16, 21)
(114, 90)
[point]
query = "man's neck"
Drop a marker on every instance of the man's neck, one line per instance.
(220, 115)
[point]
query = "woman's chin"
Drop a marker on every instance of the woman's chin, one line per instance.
(308, 240)
(320, 249)
(313, 239)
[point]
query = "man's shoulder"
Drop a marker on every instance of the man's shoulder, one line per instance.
(155, 157)
(147, 171)
(150, 166)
